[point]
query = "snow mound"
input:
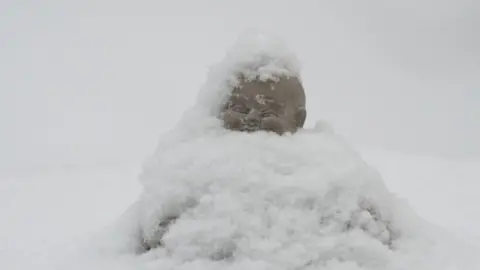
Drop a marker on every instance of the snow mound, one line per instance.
(262, 201)
(293, 199)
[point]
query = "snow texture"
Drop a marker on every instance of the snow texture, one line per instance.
(262, 201)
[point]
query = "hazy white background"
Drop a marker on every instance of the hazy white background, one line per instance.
(89, 82)
(94, 83)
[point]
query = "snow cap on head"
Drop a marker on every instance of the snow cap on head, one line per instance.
(255, 55)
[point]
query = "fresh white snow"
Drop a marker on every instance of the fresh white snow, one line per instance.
(45, 214)
(256, 201)
(83, 80)
(54, 210)
(444, 191)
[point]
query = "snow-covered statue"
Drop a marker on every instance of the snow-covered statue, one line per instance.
(215, 193)
(216, 198)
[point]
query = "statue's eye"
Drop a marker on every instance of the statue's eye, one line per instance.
(268, 114)
(240, 109)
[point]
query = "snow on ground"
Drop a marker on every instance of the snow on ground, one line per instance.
(47, 210)
(44, 213)
(444, 191)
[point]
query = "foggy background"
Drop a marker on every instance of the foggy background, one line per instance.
(97, 82)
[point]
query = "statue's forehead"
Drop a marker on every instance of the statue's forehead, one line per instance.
(256, 100)
(262, 99)
(281, 93)
(239, 96)
(258, 97)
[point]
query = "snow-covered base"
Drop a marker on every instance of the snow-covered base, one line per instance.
(262, 201)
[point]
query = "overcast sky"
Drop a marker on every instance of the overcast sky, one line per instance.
(98, 81)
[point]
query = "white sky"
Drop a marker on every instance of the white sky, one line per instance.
(90, 81)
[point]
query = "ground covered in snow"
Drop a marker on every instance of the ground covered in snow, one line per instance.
(263, 202)
(241, 201)
(55, 210)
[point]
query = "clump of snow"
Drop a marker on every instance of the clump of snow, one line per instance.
(262, 201)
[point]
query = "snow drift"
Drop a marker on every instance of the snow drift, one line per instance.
(262, 201)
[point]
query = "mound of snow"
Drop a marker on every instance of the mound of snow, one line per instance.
(261, 195)
(262, 201)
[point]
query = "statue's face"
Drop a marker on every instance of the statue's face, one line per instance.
(264, 106)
